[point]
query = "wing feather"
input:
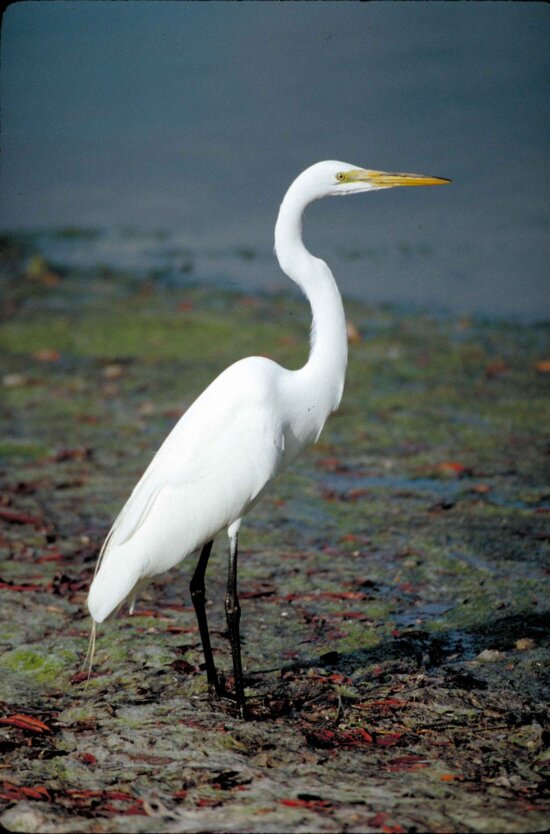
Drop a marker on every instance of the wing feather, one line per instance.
(209, 471)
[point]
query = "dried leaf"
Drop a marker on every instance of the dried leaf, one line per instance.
(184, 667)
(494, 369)
(378, 820)
(15, 793)
(181, 629)
(15, 517)
(451, 467)
(82, 676)
(338, 679)
(385, 703)
(25, 722)
(388, 739)
(306, 803)
(47, 355)
(80, 453)
(11, 586)
(329, 739)
(406, 763)
(331, 465)
(480, 489)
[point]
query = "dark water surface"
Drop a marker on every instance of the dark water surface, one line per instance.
(191, 119)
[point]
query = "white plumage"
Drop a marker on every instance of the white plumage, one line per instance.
(209, 470)
(241, 431)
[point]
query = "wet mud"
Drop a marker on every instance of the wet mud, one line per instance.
(393, 584)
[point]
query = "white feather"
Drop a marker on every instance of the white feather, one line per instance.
(247, 425)
(209, 471)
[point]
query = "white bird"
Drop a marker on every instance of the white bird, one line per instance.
(240, 433)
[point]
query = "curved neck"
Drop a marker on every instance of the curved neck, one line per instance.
(326, 366)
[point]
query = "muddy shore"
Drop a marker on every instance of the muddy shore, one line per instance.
(394, 583)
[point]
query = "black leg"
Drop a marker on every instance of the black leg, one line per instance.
(198, 595)
(233, 614)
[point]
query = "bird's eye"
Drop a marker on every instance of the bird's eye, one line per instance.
(340, 177)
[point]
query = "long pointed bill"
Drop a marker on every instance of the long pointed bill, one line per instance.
(381, 179)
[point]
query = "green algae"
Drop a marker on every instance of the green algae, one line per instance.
(38, 667)
(24, 449)
(373, 576)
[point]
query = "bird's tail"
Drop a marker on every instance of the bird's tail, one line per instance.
(89, 659)
(115, 582)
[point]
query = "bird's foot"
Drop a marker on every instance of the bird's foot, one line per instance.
(223, 689)
(242, 711)
(216, 688)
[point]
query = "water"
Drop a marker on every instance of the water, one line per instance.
(186, 122)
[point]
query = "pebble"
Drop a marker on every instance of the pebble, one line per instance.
(524, 644)
(490, 656)
(112, 371)
(14, 380)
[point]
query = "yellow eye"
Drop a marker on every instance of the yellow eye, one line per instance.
(340, 177)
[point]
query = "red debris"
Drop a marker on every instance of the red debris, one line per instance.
(10, 586)
(183, 666)
(451, 467)
(15, 793)
(346, 739)
(336, 678)
(15, 517)
(306, 803)
(25, 722)
(406, 763)
(388, 739)
(384, 702)
(80, 453)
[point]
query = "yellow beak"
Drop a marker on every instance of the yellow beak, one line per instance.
(381, 179)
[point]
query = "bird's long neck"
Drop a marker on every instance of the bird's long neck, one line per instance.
(326, 366)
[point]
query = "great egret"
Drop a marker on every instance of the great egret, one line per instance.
(239, 434)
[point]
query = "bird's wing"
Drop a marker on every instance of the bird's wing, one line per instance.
(225, 449)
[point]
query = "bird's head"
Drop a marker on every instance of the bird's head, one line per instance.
(331, 178)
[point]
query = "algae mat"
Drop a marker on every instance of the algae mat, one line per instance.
(393, 583)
